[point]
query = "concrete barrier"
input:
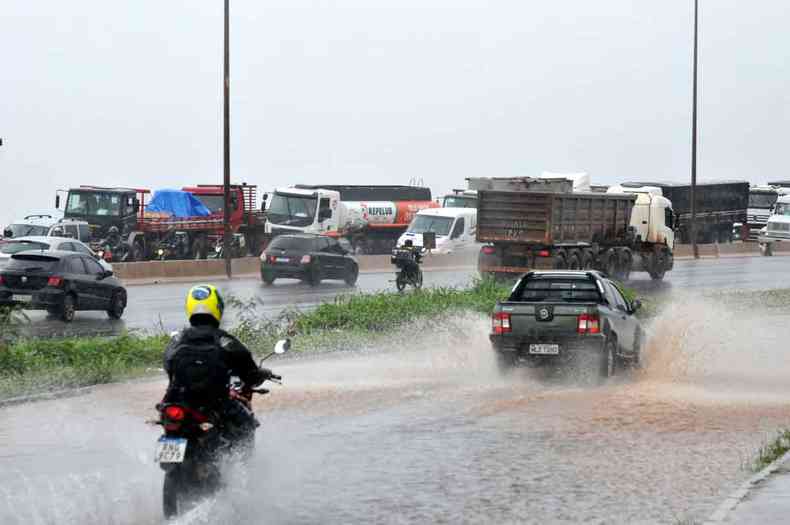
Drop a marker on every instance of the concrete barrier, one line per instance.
(153, 270)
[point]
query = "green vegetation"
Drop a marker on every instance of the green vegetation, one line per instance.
(772, 450)
(349, 321)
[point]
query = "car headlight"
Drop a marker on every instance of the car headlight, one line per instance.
(160, 251)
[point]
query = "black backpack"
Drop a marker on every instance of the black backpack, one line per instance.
(198, 371)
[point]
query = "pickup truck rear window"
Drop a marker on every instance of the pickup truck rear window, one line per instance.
(557, 289)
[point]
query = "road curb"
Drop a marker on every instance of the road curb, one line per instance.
(46, 396)
(733, 500)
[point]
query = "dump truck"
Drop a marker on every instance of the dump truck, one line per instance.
(720, 204)
(544, 224)
(371, 218)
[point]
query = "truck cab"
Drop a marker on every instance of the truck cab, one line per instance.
(295, 210)
(460, 199)
(455, 229)
(30, 225)
(652, 218)
(778, 227)
(102, 208)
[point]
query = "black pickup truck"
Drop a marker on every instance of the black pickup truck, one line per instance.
(553, 317)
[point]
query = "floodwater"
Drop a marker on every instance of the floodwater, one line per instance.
(433, 434)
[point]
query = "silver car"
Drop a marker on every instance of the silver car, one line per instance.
(38, 243)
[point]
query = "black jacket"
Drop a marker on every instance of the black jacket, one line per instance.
(236, 357)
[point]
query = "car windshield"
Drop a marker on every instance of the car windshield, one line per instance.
(453, 201)
(297, 244)
(93, 203)
(782, 209)
(431, 223)
(28, 230)
(557, 289)
(762, 200)
(13, 247)
(292, 210)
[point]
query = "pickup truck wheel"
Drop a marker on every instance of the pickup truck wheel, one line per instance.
(505, 362)
(766, 250)
(608, 363)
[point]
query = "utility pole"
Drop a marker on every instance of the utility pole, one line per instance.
(693, 224)
(226, 146)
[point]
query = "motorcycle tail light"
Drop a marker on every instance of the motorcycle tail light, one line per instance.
(175, 413)
(55, 281)
(544, 253)
(489, 250)
(306, 259)
(500, 323)
(588, 324)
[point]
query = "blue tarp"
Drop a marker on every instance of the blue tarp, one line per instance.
(177, 203)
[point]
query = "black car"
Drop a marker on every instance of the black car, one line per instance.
(310, 258)
(60, 283)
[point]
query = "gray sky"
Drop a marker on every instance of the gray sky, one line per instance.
(382, 91)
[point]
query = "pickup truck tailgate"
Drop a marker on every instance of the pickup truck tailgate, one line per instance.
(542, 320)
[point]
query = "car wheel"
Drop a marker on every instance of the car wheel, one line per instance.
(68, 309)
(352, 274)
(608, 363)
(267, 278)
(314, 277)
(117, 306)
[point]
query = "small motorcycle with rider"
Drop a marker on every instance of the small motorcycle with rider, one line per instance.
(206, 412)
(407, 260)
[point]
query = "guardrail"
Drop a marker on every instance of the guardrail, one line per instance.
(152, 270)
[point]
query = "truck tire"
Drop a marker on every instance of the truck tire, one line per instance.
(588, 261)
(610, 263)
(559, 262)
(766, 249)
(138, 251)
(574, 261)
(624, 263)
(199, 247)
(657, 265)
(608, 360)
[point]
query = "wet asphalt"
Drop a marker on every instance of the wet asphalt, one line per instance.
(430, 432)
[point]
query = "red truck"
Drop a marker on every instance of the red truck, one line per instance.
(144, 235)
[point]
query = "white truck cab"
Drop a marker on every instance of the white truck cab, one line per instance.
(778, 227)
(652, 217)
(455, 229)
(31, 225)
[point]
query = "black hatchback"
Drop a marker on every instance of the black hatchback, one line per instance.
(311, 258)
(60, 283)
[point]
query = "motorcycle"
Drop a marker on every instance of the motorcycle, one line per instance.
(175, 245)
(409, 271)
(196, 440)
(238, 246)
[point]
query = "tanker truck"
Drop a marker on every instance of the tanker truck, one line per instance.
(530, 224)
(371, 218)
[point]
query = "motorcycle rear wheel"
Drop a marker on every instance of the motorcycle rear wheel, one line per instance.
(400, 281)
(172, 494)
(418, 279)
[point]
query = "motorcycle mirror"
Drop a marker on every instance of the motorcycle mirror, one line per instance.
(282, 346)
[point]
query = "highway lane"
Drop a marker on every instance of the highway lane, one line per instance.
(160, 306)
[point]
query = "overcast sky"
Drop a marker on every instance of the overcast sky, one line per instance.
(383, 91)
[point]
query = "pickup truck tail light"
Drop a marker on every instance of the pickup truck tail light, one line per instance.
(500, 323)
(588, 324)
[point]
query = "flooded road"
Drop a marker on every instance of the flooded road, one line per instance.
(434, 434)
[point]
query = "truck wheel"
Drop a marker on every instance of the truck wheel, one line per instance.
(574, 261)
(624, 265)
(559, 262)
(766, 249)
(588, 261)
(199, 247)
(505, 362)
(314, 278)
(138, 252)
(608, 363)
(610, 263)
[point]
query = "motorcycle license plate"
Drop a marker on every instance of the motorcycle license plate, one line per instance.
(171, 450)
(544, 349)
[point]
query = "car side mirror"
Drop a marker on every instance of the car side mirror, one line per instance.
(324, 214)
(105, 274)
(636, 305)
(57, 202)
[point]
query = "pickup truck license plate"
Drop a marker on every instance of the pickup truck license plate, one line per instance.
(23, 298)
(171, 450)
(544, 349)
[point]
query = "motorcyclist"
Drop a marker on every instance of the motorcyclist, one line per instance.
(416, 254)
(200, 360)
